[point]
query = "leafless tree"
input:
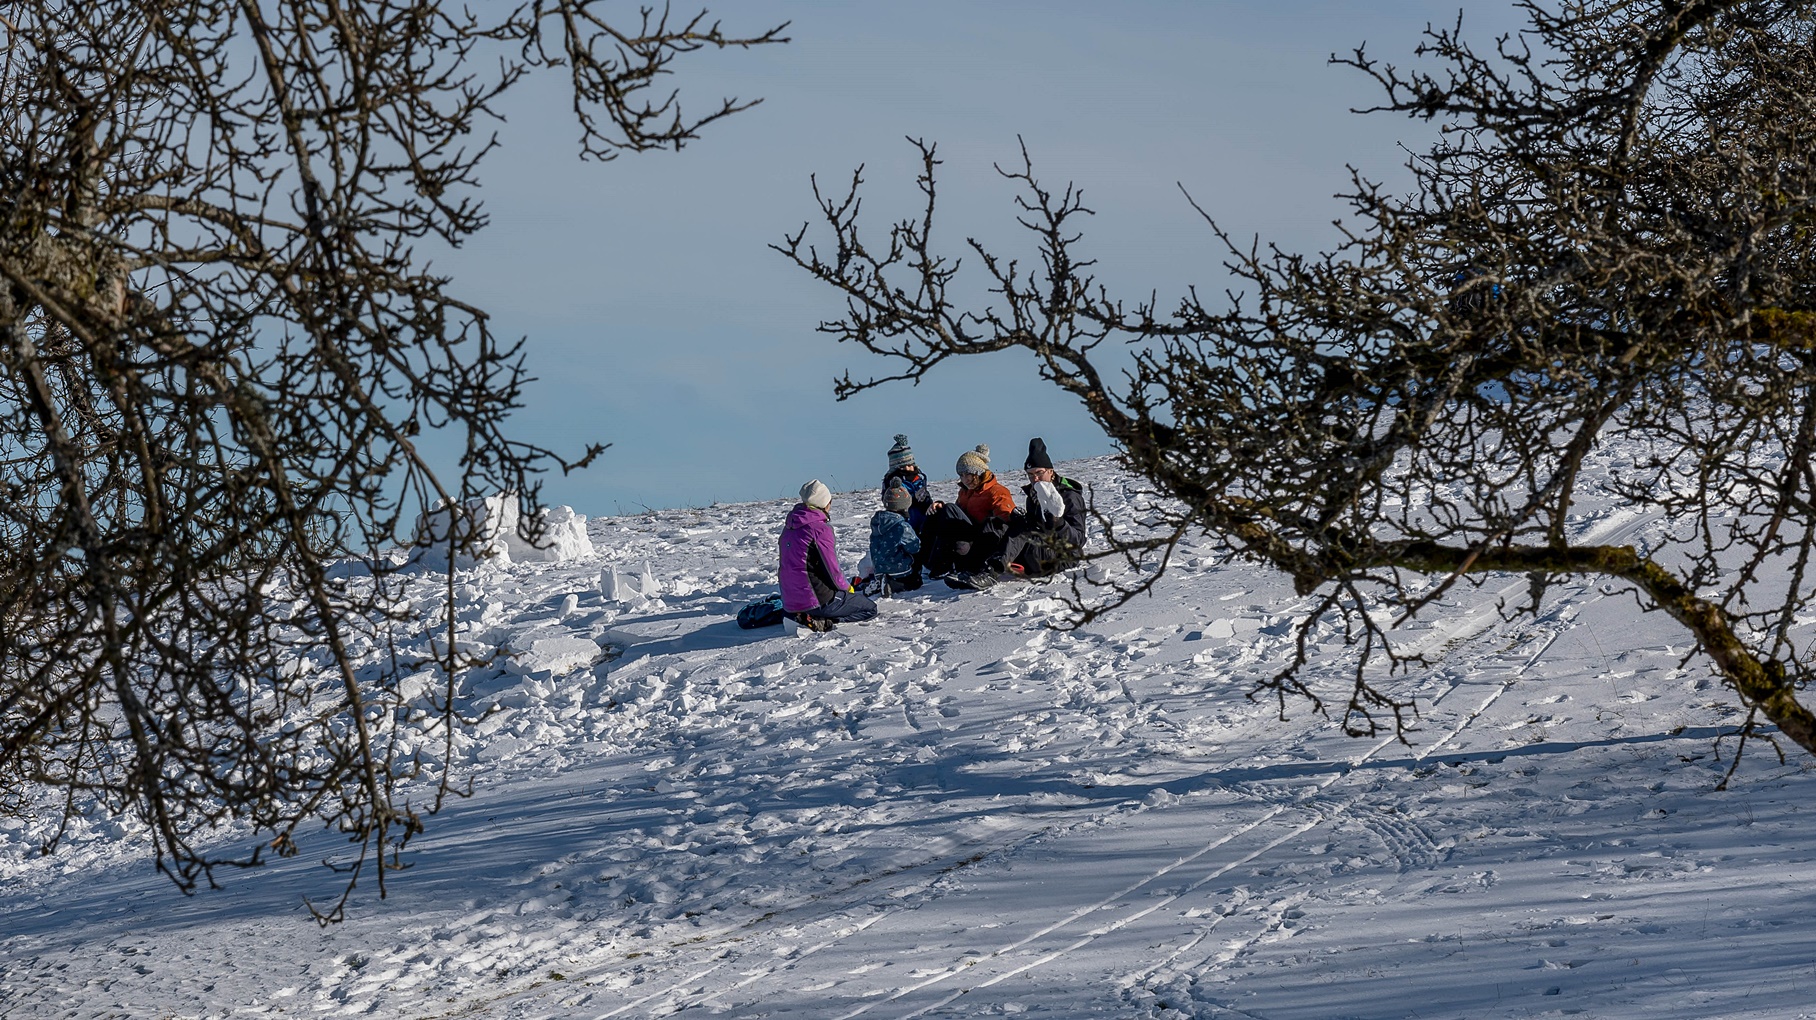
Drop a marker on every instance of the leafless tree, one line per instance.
(219, 351)
(1612, 236)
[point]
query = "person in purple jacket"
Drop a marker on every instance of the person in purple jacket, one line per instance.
(814, 590)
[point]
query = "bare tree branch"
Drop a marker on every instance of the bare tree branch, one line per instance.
(1612, 237)
(218, 351)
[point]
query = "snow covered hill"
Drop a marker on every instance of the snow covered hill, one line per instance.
(956, 810)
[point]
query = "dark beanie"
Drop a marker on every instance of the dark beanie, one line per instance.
(1037, 455)
(896, 497)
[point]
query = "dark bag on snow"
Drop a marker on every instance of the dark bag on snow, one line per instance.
(762, 613)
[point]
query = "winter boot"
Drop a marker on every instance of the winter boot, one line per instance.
(976, 580)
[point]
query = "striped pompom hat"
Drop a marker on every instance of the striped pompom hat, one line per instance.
(901, 455)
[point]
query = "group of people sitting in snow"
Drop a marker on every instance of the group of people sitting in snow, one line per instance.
(977, 540)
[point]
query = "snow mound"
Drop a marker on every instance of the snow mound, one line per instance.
(495, 522)
(563, 539)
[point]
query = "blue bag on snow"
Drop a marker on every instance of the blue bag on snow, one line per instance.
(761, 613)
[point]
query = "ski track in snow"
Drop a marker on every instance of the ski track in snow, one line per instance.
(956, 811)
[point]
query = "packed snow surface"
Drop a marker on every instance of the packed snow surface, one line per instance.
(957, 810)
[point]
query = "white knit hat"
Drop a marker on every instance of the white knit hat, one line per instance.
(974, 462)
(816, 495)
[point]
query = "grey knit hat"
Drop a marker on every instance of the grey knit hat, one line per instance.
(974, 462)
(901, 455)
(896, 498)
(816, 495)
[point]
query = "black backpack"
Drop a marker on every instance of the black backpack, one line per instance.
(761, 613)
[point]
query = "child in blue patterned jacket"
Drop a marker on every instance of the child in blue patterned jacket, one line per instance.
(893, 544)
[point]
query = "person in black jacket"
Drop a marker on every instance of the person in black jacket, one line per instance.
(1047, 534)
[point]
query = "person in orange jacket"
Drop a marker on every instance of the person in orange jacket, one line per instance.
(961, 536)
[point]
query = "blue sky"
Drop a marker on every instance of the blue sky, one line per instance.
(659, 321)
